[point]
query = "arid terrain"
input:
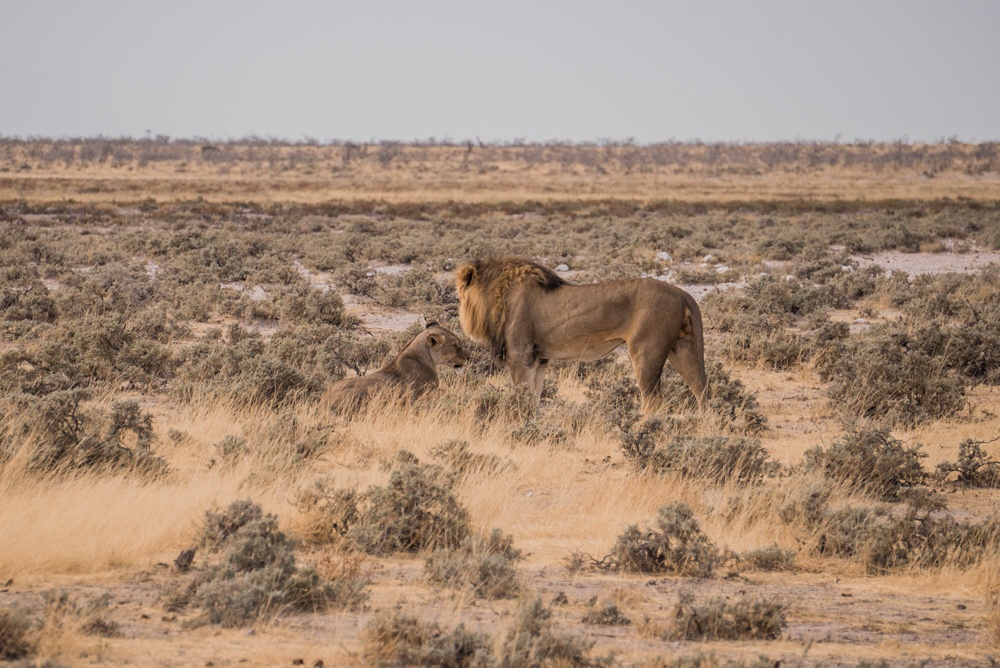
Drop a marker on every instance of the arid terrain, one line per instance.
(171, 314)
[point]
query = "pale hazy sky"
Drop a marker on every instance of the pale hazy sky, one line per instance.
(537, 70)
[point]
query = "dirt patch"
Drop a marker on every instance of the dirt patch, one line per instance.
(930, 263)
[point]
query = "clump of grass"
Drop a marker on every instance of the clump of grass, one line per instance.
(717, 458)
(676, 545)
(395, 639)
(974, 467)
(485, 566)
(16, 641)
(746, 618)
(869, 460)
(606, 614)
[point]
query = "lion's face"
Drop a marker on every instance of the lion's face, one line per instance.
(445, 348)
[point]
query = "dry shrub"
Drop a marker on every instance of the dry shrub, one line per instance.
(731, 407)
(510, 403)
(395, 639)
(16, 641)
(869, 460)
(771, 558)
(71, 438)
(483, 565)
(415, 511)
(676, 545)
(992, 613)
(326, 512)
(884, 375)
(974, 467)
(531, 641)
(456, 455)
(884, 538)
(257, 577)
(720, 459)
(606, 614)
(746, 618)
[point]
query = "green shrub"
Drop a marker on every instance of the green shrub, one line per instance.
(257, 577)
(880, 375)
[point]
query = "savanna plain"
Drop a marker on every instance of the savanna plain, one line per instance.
(174, 491)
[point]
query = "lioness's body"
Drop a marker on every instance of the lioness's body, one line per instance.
(411, 373)
(529, 315)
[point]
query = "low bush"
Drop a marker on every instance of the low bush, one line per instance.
(257, 577)
(415, 511)
(745, 618)
(16, 641)
(883, 375)
(720, 459)
(606, 614)
(531, 641)
(394, 639)
(869, 460)
(483, 565)
(771, 558)
(455, 454)
(70, 438)
(676, 545)
(974, 467)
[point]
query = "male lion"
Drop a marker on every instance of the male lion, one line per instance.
(529, 315)
(411, 373)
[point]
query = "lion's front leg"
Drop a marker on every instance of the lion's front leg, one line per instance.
(527, 368)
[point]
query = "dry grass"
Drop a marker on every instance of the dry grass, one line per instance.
(558, 486)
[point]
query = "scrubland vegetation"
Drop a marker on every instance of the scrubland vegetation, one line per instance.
(172, 488)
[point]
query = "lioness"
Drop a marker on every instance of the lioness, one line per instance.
(529, 315)
(411, 373)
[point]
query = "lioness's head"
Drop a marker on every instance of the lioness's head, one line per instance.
(445, 348)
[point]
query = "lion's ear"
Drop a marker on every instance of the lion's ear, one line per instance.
(431, 323)
(466, 275)
(434, 340)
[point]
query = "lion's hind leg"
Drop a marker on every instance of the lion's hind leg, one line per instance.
(648, 361)
(691, 366)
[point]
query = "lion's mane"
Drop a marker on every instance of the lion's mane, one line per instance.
(485, 288)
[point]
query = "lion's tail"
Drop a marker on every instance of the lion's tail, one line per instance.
(693, 326)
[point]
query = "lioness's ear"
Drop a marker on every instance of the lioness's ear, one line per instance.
(434, 340)
(465, 275)
(431, 323)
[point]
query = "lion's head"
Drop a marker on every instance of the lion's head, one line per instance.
(484, 291)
